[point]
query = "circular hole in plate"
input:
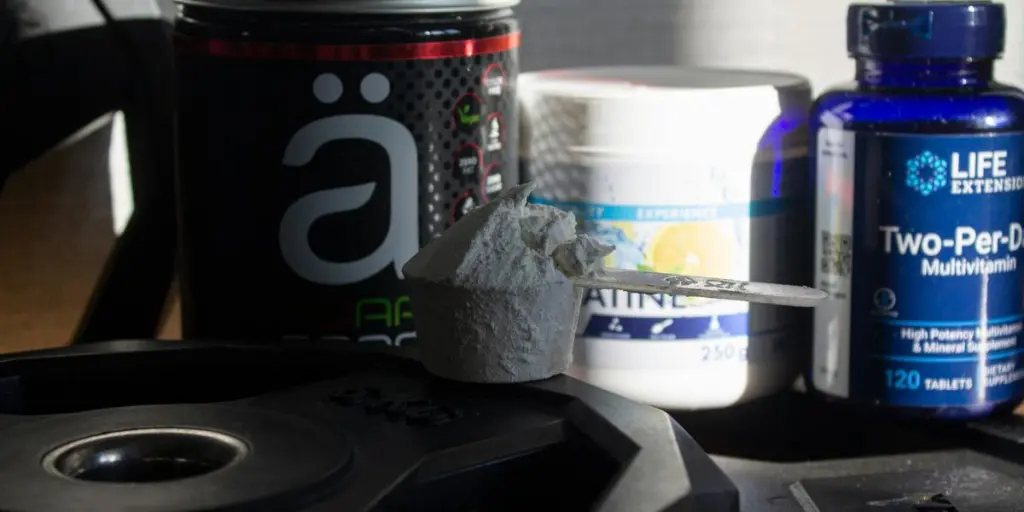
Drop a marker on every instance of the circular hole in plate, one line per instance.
(145, 455)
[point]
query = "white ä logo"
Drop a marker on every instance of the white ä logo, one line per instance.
(402, 240)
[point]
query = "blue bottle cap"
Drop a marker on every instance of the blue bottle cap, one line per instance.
(926, 29)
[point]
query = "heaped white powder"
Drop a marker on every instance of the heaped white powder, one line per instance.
(493, 298)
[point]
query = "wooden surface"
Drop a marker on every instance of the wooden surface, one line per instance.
(56, 229)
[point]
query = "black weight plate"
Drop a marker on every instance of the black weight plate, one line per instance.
(290, 460)
(417, 442)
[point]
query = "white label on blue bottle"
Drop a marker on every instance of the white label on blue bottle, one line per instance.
(834, 273)
(919, 238)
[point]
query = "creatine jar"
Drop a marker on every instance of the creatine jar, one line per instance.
(685, 171)
(320, 144)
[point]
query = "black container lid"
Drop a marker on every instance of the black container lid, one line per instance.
(356, 6)
(927, 29)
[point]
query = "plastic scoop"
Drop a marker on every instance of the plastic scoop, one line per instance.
(694, 286)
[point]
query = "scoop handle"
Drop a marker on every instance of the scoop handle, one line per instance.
(694, 286)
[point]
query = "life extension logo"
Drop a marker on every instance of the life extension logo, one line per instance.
(927, 173)
(976, 172)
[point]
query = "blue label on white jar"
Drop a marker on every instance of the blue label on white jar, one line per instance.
(919, 238)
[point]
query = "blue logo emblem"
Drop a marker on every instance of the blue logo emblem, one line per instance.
(927, 173)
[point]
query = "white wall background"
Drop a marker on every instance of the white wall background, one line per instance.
(807, 37)
(571, 33)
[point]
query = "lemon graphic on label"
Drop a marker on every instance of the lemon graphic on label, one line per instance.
(693, 248)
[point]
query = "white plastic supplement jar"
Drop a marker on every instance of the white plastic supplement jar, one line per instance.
(690, 171)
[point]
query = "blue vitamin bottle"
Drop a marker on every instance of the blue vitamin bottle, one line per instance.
(920, 200)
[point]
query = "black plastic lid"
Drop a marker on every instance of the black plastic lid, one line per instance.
(927, 29)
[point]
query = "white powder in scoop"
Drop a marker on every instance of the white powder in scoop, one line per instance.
(492, 296)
